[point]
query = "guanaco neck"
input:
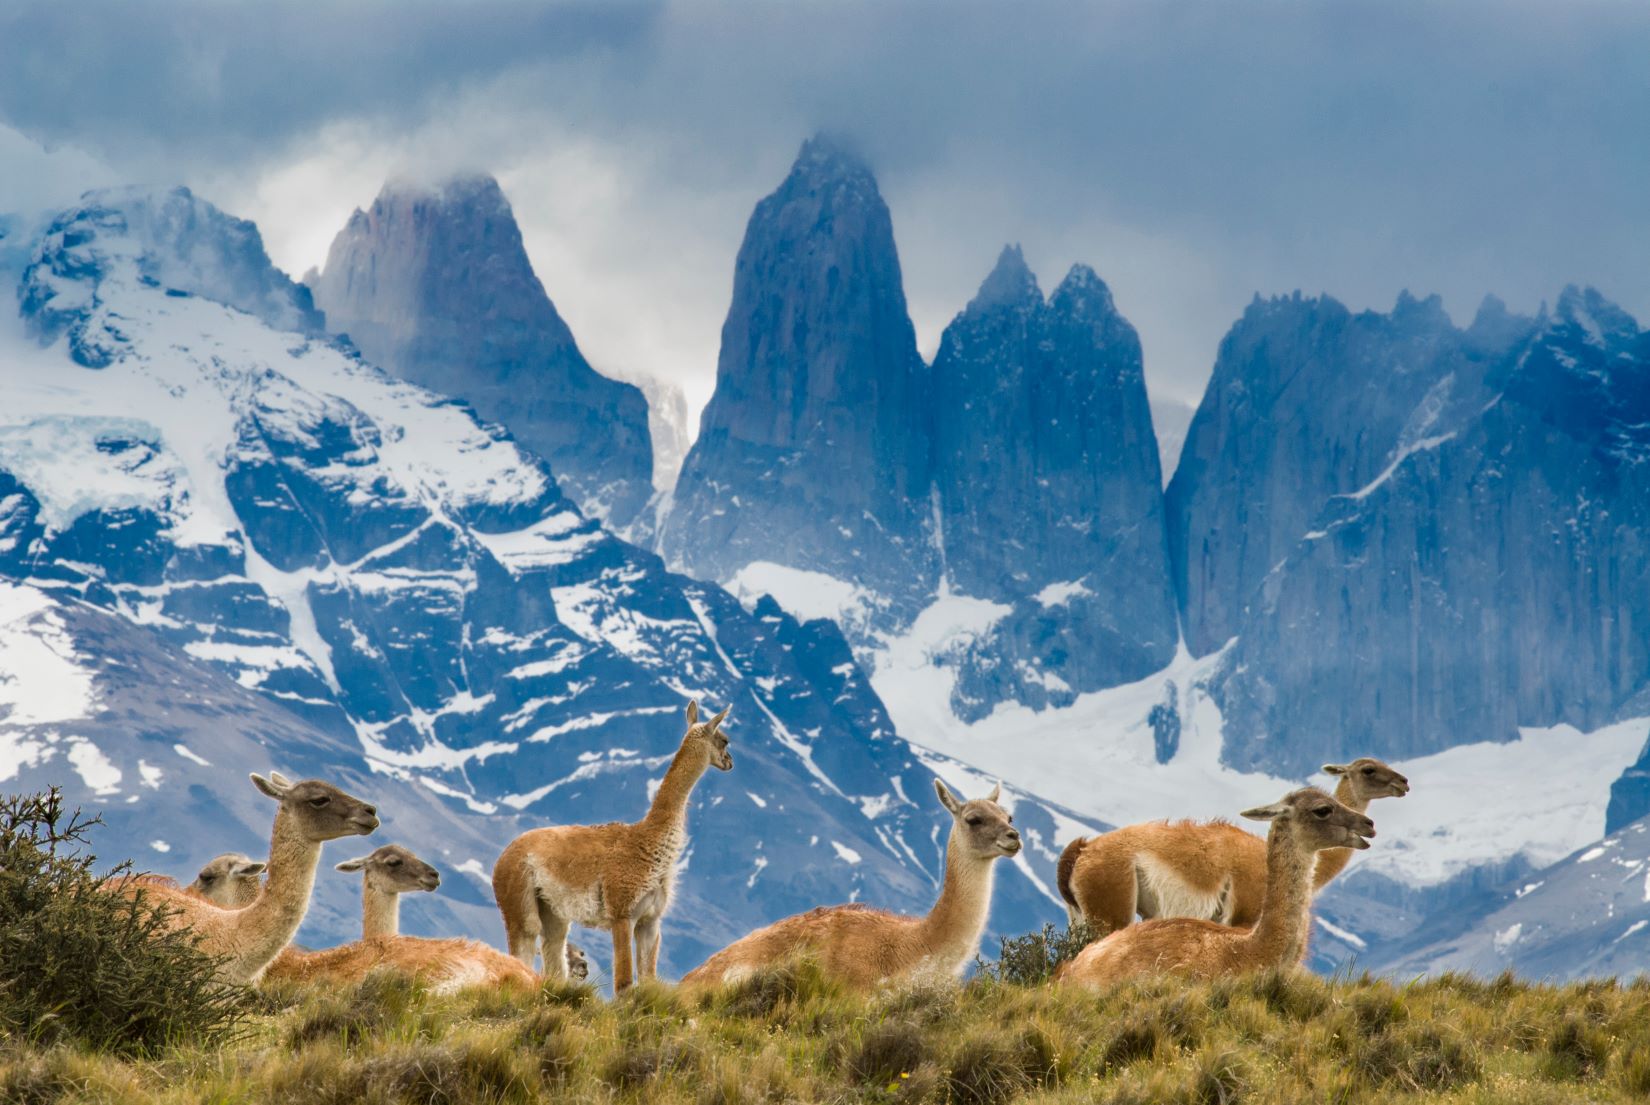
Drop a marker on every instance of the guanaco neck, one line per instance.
(1332, 861)
(380, 912)
(953, 927)
(273, 918)
(1277, 936)
(668, 813)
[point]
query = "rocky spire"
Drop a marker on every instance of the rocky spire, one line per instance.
(434, 283)
(1049, 489)
(813, 452)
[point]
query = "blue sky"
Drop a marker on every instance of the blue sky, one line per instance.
(1193, 153)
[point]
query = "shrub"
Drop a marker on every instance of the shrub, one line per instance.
(1032, 959)
(78, 962)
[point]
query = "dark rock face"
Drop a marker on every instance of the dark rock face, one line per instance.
(813, 452)
(1049, 492)
(1307, 400)
(435, 285)
(1630, 794)
(1492, 573)
(1022, 469)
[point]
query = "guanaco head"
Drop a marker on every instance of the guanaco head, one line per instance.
(1316, 820)
(1370, 778)
(393, 869)
(230, 880)
(578, 964)
(985, 829)
(320, 810)
(710, 734)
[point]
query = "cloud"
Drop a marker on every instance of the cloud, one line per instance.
(1194, 153)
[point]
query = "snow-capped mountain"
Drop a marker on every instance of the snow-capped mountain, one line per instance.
(1385, 535)
(434, 284)
(1587, 915)
(242, 546)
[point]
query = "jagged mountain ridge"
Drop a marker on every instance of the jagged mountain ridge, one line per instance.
(1307, 400)
(434, 283)
(1048, 491)
(418, 595)
(1486, 577)
(836, 471)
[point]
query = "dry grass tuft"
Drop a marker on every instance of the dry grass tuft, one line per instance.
(791, 1036)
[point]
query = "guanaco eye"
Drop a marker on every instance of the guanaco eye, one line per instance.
(392, 862)
(319, 802)
(207, 878)
(1369, 771)
(974, 820)
(1321, 811)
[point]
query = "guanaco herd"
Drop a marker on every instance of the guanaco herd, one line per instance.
(1213, 899)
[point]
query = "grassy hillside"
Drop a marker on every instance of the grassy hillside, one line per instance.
(789, 1036)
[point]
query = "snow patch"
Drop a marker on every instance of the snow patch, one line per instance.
(1341, 934)
(845, 853)
(1429, 836)
(43, 679)
(801, 593)
(1059, 594)
(93, 767)
(184, 751)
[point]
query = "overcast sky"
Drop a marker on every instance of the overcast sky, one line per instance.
(1193, 153)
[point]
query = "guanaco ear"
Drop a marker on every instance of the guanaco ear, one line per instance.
(996, 793)
(717, 720)
(1265, 813)
(1335, 769)
(353, 864)
(253, 868)
(276, 787)
(693, 711)
(947, 799)
(279, 779)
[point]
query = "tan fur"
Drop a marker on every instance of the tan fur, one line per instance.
(865, 947)
(1211, 870)
(444, 965)
(616, 876)
(248, 939)
(230, 880)
(1304, 823)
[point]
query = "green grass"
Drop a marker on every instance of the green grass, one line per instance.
(791, 1036)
